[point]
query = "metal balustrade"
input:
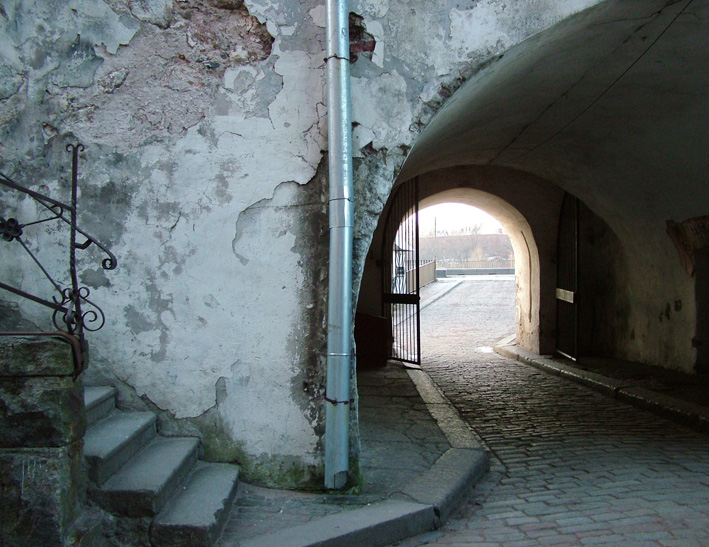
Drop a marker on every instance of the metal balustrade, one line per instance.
(73, 313)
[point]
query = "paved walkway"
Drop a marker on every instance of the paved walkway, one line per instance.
(400, 440)
(570, 466)
(419, 460)
(416, 472)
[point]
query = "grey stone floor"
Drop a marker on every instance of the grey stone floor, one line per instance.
(399, 439)
(570, 466)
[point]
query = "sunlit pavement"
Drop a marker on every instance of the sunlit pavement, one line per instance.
(570, 466)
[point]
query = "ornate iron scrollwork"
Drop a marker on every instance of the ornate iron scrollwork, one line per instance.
(10, 229)
(73, 311)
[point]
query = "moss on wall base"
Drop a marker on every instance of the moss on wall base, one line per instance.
(282, 472)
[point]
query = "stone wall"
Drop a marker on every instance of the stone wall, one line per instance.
(42, 423)
(205, 131)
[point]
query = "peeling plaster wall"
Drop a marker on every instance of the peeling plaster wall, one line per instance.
(424, 51)
(205, 126)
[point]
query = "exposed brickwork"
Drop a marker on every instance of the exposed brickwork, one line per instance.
(361, 42)
(223, 32)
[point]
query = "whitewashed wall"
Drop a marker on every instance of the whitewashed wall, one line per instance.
(205, 128)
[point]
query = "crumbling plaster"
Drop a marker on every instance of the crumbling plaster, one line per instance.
(424, 52)
(201, 173)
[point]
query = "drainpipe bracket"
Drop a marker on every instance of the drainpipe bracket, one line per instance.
(337, 57)
(334, 402)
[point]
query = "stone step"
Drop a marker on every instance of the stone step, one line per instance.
(142, 486)
(195, 515)
(99, 401)
(110, 442)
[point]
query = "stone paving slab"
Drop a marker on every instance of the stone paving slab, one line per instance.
(419, 460)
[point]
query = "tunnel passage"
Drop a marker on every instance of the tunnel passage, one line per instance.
(447, 186)
(529, 210)
(525, 251)
(612, 106)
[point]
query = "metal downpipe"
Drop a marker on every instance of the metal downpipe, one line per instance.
(341, 211)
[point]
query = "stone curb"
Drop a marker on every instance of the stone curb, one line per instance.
(380, 523)
(421, 506)
(445, 485)
(439, 296)
(672, 408)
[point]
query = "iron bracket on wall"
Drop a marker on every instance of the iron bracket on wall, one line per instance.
(73, 313)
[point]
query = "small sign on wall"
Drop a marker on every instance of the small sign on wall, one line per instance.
(689, 236)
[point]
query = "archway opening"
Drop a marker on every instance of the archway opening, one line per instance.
(500, 216)
(474, 289)
(462, 237)
(517, 246)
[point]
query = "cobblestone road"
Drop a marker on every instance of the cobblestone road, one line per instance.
(570, 466)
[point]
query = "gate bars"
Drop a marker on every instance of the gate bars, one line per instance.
(73, 311)
(400, 274)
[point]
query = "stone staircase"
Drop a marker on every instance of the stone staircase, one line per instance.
(136, 473)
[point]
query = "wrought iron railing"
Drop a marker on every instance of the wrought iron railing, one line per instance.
(73, 312)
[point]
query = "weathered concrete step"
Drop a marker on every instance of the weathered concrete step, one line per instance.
(382, 523)
(99, 401)
(196, 514)
(109, 443)
(142, 486)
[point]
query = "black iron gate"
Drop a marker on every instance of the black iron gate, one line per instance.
(400, 274)
(567, 279)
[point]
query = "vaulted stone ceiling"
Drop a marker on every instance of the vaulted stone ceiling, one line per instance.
(611, 104)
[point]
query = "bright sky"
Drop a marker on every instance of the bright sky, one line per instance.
(452, 217)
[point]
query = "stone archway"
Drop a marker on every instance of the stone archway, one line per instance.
(527, 267)
(527, 207)
(609, 105)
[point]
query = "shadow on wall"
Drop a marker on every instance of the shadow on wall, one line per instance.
(603, 305)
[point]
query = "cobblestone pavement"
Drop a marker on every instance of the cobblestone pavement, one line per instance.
(570, 466)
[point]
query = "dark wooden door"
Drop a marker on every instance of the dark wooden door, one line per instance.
(567, 279)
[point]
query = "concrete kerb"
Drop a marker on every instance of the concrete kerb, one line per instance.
(446, 484)
(438, 295)
(380, 523)
(691, 415)
(421, 506)
(454, 474)
(677, 410)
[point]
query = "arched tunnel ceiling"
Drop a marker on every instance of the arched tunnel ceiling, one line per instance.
(611, 104)
(510, 218)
